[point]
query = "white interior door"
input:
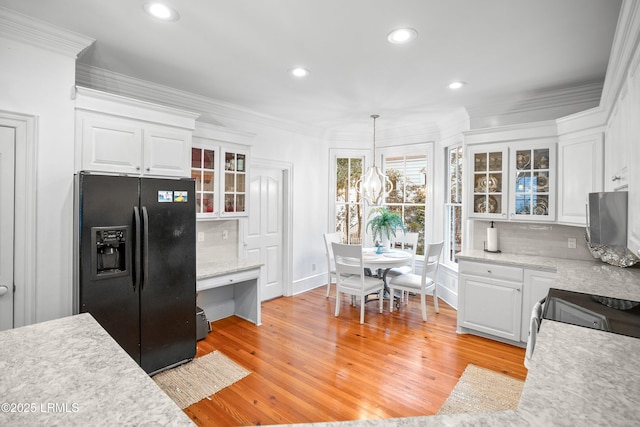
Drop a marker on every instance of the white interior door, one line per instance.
(263, 233)
(7, 177)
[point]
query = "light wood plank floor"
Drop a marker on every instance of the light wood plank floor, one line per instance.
(309, 366)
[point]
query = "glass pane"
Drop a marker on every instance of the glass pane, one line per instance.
(241, 162)
(207, 181)
(355, 171)
(487, 204)
(523, 159)
(342, 179)
(480, 183)
(541, 159)
(207, 203)
(541, 205)
(229, 184)
(229, 162)
(523, 204)
(341, 220)
(209, 159)
(541, 182)
(455, 175)
(195, 174)
(414, 221)
(196, 158)
(240, 183)
(240, 203)
(480, 163)
(495, 161)
(494, 183)
(456, 224)
(229, 203)
(523, 182)
(354, 220)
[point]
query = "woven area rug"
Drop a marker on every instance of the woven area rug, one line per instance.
(199, 378)
(482, 390)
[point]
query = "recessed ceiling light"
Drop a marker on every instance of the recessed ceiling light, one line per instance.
(161, 11)
(299, 72)
(402, 35)
(456, 85)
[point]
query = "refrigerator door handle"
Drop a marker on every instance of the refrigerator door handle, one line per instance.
(136, 216)
(145, 242)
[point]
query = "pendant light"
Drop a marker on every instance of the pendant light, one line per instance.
(374, 186)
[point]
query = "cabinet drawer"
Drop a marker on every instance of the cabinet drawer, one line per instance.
(495, 271)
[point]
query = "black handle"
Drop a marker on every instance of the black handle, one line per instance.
(145, 242)
(136, 216)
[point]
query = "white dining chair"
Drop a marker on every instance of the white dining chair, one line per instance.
(351, 279)
(330, 238)
(408, 242)
(423, 284)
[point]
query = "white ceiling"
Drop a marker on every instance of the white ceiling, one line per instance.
(239, 51)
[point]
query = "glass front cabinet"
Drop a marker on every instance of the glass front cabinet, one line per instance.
(221, 181)
(513, 182)
(489, 177)
(532, 181)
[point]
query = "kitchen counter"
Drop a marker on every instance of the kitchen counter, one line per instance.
(206, 270)
(577, 375)
(70, 371)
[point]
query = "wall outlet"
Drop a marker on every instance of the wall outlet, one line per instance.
(571, 243)
(200, 236)
(225, 234)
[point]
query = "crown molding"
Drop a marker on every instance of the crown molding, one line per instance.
(623, 50)
(588, 93)
(211, 111)
(22, 28)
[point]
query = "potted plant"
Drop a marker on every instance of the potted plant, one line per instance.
(383, 225)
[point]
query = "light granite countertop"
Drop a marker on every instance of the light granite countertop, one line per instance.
(71, 372)
(578, 376)
(206, 270)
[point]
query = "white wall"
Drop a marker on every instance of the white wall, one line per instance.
(36, 81)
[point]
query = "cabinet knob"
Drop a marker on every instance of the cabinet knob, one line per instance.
(137, 168)
(148, 169)
(616, 178)
(489, 271)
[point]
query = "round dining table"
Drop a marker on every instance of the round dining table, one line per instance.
(381, 263)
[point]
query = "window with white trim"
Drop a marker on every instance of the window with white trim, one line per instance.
(453, 206)
(349, 206)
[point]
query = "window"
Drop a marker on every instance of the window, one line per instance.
(453, 206)
(408, 174)
(348, 204)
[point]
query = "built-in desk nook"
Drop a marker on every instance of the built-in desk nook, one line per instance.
(230, 288)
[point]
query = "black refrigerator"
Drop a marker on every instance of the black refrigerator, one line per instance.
(136, 264)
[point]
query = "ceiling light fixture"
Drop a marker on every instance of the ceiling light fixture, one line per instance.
(402, 35)
(456, 85)
(374, 186)
(299, 72)
(161, 11)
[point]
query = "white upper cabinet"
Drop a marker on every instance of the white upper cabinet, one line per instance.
(580, 172)
(220, 164)
(532, 195)
(512, 172)
(120, 135)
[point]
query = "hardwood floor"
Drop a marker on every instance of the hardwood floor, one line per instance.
(309, 366)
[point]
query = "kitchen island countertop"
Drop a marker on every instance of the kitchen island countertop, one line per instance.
(69, 371)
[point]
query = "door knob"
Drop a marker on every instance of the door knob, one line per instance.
(3, 290)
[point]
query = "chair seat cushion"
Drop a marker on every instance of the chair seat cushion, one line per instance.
(405, 269)
(411, 281)
(354, 282)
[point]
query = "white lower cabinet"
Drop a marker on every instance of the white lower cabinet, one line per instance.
(490, 299)
(496, 300)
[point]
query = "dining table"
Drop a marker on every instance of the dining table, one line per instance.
(381, 262)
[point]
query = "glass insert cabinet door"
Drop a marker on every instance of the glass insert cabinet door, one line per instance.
(203, 170)
(235, 176)
(489, 178)
(532, 184)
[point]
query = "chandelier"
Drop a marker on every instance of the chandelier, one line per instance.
(374, 186)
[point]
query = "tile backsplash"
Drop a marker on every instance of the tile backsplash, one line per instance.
(535, 239)
(215, 247)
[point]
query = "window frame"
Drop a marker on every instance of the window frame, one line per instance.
(448, 205)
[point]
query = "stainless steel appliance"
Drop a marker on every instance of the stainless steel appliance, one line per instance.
(135, 264)
(608, 218)
(608, 314)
